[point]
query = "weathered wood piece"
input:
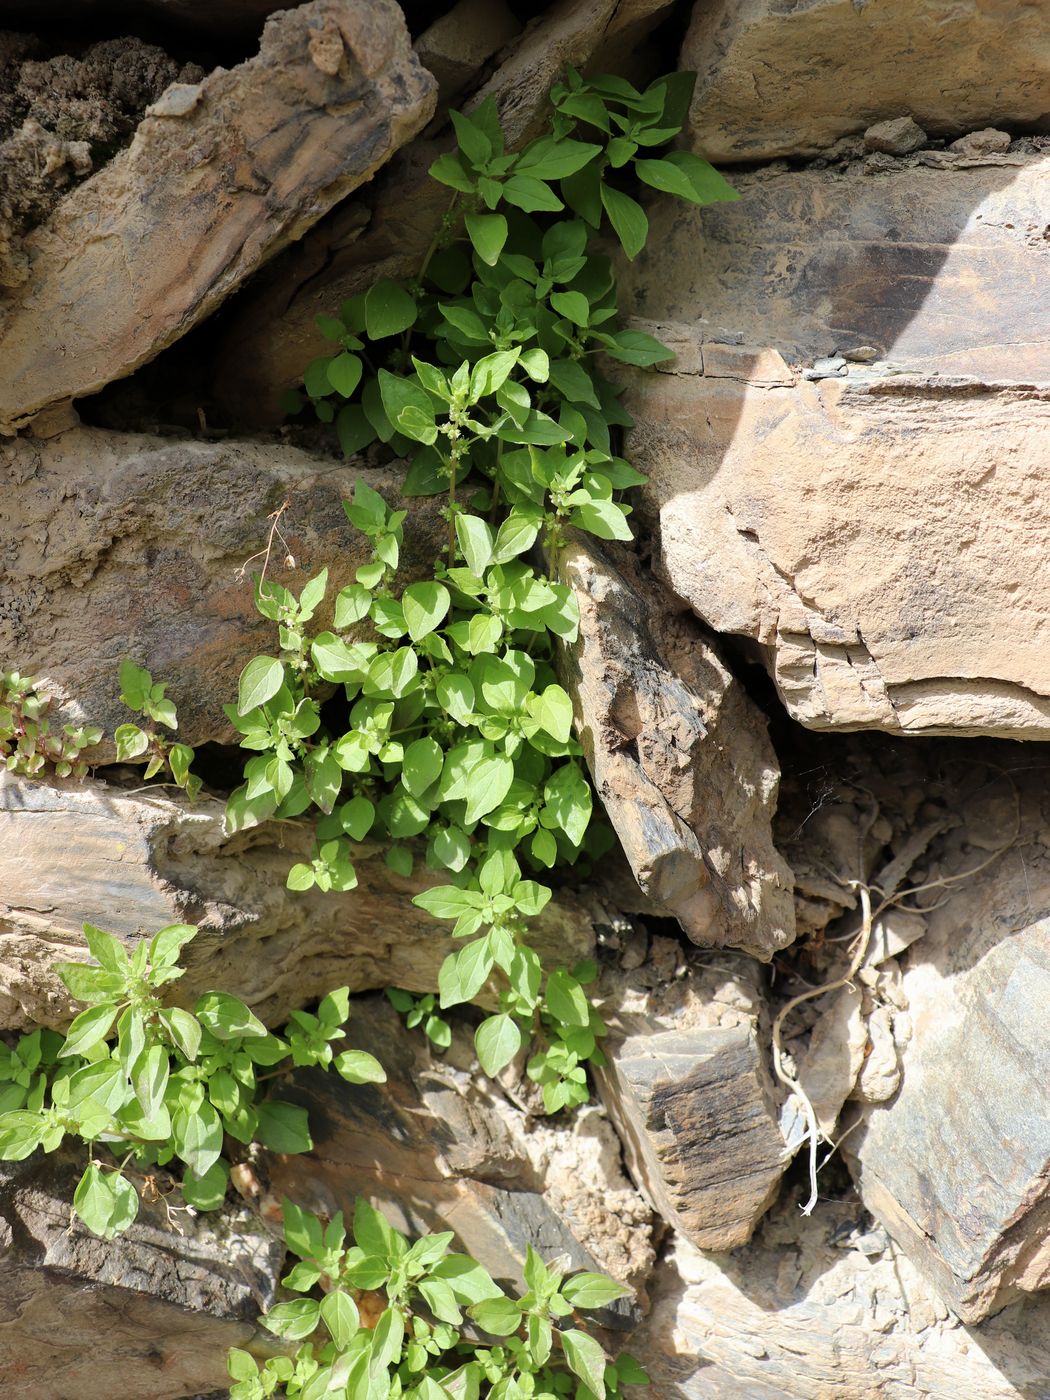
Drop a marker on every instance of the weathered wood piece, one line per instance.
(217, 180)
(150, 1314)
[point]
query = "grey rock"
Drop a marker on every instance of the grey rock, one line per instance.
(149, 1314)
(804, 1313)
(679, 755)
(833, 367)
(462, 40)
(957, 1166)
(897, 137)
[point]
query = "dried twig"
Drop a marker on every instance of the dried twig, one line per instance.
(275, 530)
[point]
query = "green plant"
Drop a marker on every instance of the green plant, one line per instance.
(156, 1085)
(148, 698)
(484, 373)
(27, 743)
(421, 1338)
(422, 1011)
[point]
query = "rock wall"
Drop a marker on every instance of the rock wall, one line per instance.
(843, 530)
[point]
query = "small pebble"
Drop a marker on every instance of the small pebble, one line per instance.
(833, 367)
(897, 137)
(178, 100)
(987, 142)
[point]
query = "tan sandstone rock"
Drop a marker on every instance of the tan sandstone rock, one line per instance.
(204, 195)
(134, 862)
(880, 534)
(776, 79)
(119, 545)
(679, 755)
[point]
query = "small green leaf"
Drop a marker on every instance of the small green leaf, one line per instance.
(132, 742)
(389, 310)
(573, 305)
(241, 1365)
(498, 1316)
(530, 194)
(294, 1320)
(593, 1291)
(208, 1191)
(497, 1040)
(226, 1017)
(339, 1314)
(602, 518)
(488, 233)
(425, 607)
(490, 372)
(566, 1000)
(284, 1127)
(260, 681)
(627, 218)
(422, 764)
(476, 541)
(106, 1202)
(88, 1029)
(344, 373)
(553, 712)
(585, 1359)
(358, 1067)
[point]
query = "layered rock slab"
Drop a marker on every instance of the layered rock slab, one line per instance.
(776, 79)
(218, 178)
(879, 531)
(687, 1085)
(150, 1314)
(957, 1165)
(679, 755)
(133, 863)
(118, 545)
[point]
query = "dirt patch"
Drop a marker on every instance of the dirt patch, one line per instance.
(61, 117)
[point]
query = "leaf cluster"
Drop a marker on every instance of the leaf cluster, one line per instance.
(382, 1318)
(159, 1085)
(140, 693)
(28, 744)
(486, 375)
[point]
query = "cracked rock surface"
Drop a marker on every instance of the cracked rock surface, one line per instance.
(879, 532)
